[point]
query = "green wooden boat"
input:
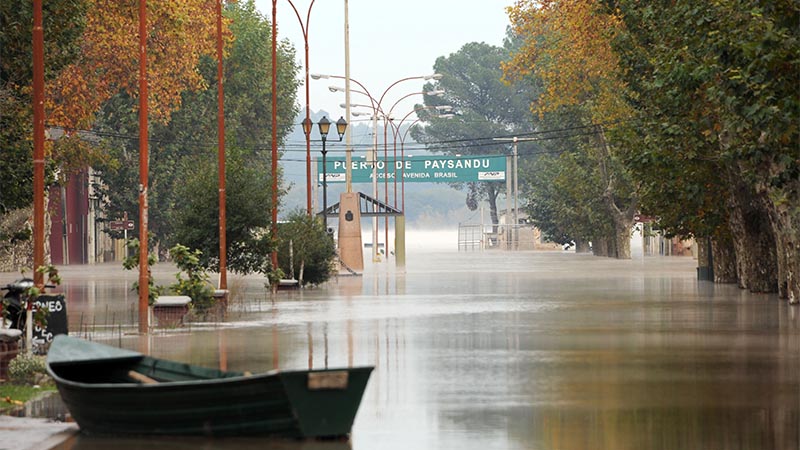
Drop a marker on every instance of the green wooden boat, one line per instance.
(112, 391)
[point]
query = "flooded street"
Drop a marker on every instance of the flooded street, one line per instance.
(497, 350)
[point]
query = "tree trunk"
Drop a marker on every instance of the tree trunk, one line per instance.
(723, 256)
(492, 199)
(600, 246)
(622, 238)
(582, 246)
(622, 219)
(705, 265)
(302, 271)
(785, 220)
(756, 258)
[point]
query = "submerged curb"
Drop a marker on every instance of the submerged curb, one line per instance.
(25, 433)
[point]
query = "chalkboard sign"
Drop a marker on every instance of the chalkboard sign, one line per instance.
(56, 320)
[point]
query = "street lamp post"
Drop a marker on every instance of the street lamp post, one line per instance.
(396, 129)
(388, 121)
(324, 127)
(304, 29)
(442, 112)
(376, 107)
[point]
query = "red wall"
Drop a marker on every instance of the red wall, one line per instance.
(71, 202)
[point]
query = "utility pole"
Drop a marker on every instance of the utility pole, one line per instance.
(515, 184)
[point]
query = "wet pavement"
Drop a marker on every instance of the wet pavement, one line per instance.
(497, 350)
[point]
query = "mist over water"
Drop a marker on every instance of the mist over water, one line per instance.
(432, 240)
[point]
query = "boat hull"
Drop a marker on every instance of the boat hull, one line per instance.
(190, 400)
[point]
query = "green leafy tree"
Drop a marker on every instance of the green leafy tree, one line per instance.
(566, 48)
(248, 202)
(563, 192)
(312, 253)
(63, 22)
(721, 82)
(192, 280)
(183, 151)
(485, 107)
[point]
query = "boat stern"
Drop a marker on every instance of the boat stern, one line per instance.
(325, 402)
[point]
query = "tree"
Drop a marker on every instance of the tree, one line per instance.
(566, 46)
(183, 147)
(485, 105)
(563, 192)
(306, 249)
(180, 33)
(721, 85)
(63, 22)
(196, 215)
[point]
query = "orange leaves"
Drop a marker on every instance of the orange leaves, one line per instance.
(180, 33)
(567, 45)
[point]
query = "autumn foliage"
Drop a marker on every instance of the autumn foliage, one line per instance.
(180, 33)
(567, 45)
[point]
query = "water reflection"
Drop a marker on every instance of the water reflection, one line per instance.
(528, 350)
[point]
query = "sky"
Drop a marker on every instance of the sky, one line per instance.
(389, 40)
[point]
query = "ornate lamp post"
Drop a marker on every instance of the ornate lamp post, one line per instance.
(376, 107)
(324, 127)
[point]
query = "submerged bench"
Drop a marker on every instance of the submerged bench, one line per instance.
(170, 310)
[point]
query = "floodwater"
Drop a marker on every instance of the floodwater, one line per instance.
(497, 350)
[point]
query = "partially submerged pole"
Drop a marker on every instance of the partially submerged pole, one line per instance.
(223, 253)
(274, 133)
(38, 162)
(144, 269)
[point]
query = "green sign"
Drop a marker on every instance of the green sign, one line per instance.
(418, 169)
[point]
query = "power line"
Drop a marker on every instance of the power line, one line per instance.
(442, 145)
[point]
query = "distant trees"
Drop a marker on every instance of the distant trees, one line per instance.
(485, 106)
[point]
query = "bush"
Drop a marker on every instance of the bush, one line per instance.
(27, 369)
(196, 283)
(313, 252)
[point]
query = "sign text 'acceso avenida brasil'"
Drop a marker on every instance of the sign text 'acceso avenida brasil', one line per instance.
(430, 169)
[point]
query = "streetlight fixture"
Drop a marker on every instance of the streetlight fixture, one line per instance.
(442, 112)
(376, 107)
(324, 127)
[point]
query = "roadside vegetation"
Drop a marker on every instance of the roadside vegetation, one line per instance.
(684, 112)
(27, 379)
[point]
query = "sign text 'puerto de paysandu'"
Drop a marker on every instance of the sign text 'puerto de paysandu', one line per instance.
(426, 169)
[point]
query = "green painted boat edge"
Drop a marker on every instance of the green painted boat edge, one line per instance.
(299, 413)
(71, 350)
